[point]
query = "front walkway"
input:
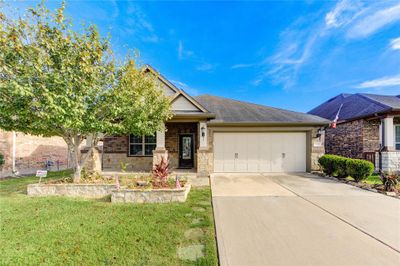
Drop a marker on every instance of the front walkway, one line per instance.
(303, 220)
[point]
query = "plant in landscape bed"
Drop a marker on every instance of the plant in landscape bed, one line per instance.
(390, 181)
(161, 172)
(343, 167)
(359, 169)
(326, 162)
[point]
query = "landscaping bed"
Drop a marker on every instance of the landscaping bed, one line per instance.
(359, 173)
(74, 231)
(128, 189)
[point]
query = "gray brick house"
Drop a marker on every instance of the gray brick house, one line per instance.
(210, 134)
(368, 128)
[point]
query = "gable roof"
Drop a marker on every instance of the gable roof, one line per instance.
(181, 102)
(357, 106)
(233, 111)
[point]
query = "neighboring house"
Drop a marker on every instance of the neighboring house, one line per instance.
(209, 134)
(24, 154)
(367, 124)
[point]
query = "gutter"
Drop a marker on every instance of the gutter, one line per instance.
(258, 124)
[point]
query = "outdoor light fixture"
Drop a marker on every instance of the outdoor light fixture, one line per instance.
(203, 131)
(319, 133)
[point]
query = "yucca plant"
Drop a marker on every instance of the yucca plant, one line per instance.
(161, 171)
(389, 181)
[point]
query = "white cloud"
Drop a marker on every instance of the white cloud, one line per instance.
(182, 52)
(381, 82)
(205, 67)
(138, 24)
(371, 23)
(185, 87)
(395, 44)
(243, 66)
(344, 13)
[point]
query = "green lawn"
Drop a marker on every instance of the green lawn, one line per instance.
(58, 230)
(372, 179)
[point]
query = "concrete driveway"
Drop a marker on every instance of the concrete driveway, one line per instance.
(302, 219)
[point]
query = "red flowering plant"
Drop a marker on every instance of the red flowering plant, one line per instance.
(161, 172)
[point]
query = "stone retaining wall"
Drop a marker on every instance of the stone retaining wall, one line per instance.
(150, 196)
(71, 190)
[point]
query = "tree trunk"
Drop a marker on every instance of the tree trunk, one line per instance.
(77, 164)
(78, 161)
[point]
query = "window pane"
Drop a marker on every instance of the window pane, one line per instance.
(135, 139)
(397, 133)
(398, 146)
(150, 139)
(136, 149)
(148, 149)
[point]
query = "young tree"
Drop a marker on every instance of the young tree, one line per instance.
(55, 81)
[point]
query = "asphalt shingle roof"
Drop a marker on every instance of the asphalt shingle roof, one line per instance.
(356, 106)
(233, 111)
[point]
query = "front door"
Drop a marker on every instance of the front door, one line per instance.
(186, 151)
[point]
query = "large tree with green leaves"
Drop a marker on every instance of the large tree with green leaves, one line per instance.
(55, 81)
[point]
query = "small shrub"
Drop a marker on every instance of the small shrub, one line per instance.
(1, 160)
(326, 162)
(340, 166)
(359, 169)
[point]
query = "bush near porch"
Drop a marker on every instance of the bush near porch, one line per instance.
(343, 167)
(58, 231)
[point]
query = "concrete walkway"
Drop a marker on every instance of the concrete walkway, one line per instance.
(303, 220)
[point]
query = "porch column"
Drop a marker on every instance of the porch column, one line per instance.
(160, 139)
(160, 150)
(387, 134)
(203, 134)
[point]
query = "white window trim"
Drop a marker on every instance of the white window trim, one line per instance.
(394, 134)
(143, 143)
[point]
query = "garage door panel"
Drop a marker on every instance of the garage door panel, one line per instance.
(260, 152)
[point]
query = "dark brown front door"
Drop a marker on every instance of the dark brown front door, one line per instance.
(186, 151)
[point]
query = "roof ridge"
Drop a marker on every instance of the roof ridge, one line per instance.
(373, 101)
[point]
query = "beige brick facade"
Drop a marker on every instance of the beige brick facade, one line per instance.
(31, 153)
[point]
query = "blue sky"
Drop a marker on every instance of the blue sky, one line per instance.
(287, 54)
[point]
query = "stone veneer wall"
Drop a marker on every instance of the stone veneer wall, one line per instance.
(32, 152)
(390, 161)
(317, 149)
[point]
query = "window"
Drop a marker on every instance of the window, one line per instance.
(141, 145)
(397, 137)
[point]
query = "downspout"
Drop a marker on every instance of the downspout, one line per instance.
(14, 148)
(382, 144)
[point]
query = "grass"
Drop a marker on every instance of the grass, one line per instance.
(59, 230)
(371, 180)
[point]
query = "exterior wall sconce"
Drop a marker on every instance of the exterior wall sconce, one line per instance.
(203, 131)
(319, 133)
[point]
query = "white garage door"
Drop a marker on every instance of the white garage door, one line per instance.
(260, 152)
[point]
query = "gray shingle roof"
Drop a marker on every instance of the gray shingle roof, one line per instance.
(356, 106)
(233, 111)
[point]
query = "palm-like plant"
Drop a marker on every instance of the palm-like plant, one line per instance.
(161, 171)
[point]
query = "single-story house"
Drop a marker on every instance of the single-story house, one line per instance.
(25, 154)
(367, 124)
(210, 134)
